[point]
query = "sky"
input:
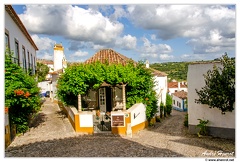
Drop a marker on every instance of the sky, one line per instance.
(155, 32)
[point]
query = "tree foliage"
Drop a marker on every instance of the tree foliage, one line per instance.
(219, 89)
(42, 71)
(21, 94)
(175, 70)
(78, 79)
(168, 104)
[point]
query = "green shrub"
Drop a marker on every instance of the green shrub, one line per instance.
(161, 109)
(202, 127)
(21, 95)
(158, 119)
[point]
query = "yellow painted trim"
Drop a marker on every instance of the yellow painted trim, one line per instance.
(139, 127)
(7, 136)
(72, 122)
(88, 130)
(59, 48)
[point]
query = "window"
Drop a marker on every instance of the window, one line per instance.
(174, 102)
(118, 94)
(24, 59)
(28, 58)
(16, 53)
(7, 41)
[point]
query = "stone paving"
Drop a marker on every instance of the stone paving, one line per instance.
(53, 136)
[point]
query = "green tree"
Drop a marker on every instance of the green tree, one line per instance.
(78, 79)
(168, 104)
(21, 94)
(219, 89)
(42, 71)
(161, 109)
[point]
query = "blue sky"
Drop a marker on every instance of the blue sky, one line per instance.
(157, 32)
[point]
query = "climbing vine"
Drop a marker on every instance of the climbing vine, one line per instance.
(78, 79)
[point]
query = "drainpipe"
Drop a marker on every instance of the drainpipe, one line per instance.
(79, 103)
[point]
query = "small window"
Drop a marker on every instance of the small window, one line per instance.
(7, 41)
(16, 53)
(24, 58)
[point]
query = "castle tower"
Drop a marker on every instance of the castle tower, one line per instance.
(58, 57)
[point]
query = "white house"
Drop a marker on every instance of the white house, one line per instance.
(179, 101)
(177, 86)
(220, 125)
(160, 80)
(18, 40)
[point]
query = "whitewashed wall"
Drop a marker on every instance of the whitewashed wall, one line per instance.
(16, 33)
(44, 86)
(138, 114)
(58, 57)
(173, 90)
(175, 105)
(161, 88)
(199, 111)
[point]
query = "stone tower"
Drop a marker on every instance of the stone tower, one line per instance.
(59, 57)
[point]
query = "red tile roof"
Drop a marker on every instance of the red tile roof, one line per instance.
(110, 56)
(158, 73)
(180, 94)
(113, 57)
(46, 62)
(175, 85)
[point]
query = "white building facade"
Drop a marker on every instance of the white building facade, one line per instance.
(160, 80)
(177, 86)
(220, 125)
(179, 101)
(18, 40)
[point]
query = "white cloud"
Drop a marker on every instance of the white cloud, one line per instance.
(119, 12)
(155, 52)
(148, 47)
(166, 57)
(153, 37)
(72, 22)
(214, 42)
(198, 57)
(46, 56)
(45, 47)
(80, 54)
(126, 42)
(43, 43)
(210, 28)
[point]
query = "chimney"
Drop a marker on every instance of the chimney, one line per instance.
(147, 64)
(179, 86)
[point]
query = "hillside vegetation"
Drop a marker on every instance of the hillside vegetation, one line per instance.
(175, 70)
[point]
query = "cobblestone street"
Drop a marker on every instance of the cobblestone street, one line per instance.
(53, 136)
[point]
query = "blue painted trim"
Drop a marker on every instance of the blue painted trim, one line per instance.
(177, 108)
